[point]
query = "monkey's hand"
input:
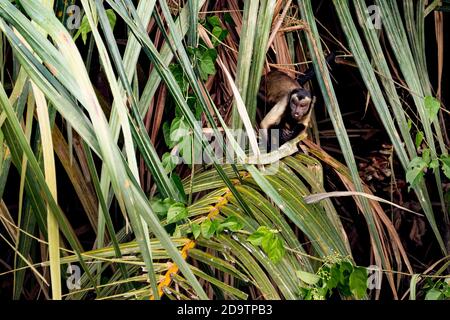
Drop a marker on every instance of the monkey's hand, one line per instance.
(286, 135)
(289, 134)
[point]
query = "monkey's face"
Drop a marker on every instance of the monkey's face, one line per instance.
(300, 104)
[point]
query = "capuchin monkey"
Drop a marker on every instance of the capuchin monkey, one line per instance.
(291, 104)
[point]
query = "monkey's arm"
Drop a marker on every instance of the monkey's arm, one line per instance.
(275, 114)
(310, 73)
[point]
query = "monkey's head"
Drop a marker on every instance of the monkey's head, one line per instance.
(300, 104)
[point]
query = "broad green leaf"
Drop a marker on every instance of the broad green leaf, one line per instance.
(161, 206)
(177, 212)
(111, 17)
(214, 21)
(426, 155)
(257, 237)
(169, 161)
(231, 223)
(196, 230)
(270, 241)
(308, 278)
(358, 282)
(219, 35)
(207, 65)
(209, 228)
(445, 159)
(179, 130)
(179, 76)
(85, 27)
(433, 294)
(432, 105)
(415, 171)
(335, 276)
(166, 133)
(419, 139)
(345, 270)
(434, 164)
(409, 124)
(274, 248)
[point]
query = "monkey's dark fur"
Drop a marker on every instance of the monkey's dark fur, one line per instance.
(290, 104)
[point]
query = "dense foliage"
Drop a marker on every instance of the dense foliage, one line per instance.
(121, 175)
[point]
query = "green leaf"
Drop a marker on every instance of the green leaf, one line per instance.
(177, 212)
(231, 223)
(419, 139)
(345, 269)
(434, 164)
(217, 32)
(432, 105)
(180, 76)
(358, 282)
(445, 159)
(267, 241)
(270, 241)
(178, 131)
(186, 145)
(274, 248)
(433, 294)
(196, 230)
(181, 135)
(415, 171)
(111, 18)
(426, 156)
(228, 18)
(447, 288)
(219, 35)
(257, 237)
(211, 53)
(195, 106)
(166, 133)
(335, 276)
(306, 293)
(409, 124)
(308, 278)
(85, 27)
(169, 161)
(179, 232)
(207, 67)
(214, 21)
(209, 228)
(207, 63)
(161, 207)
